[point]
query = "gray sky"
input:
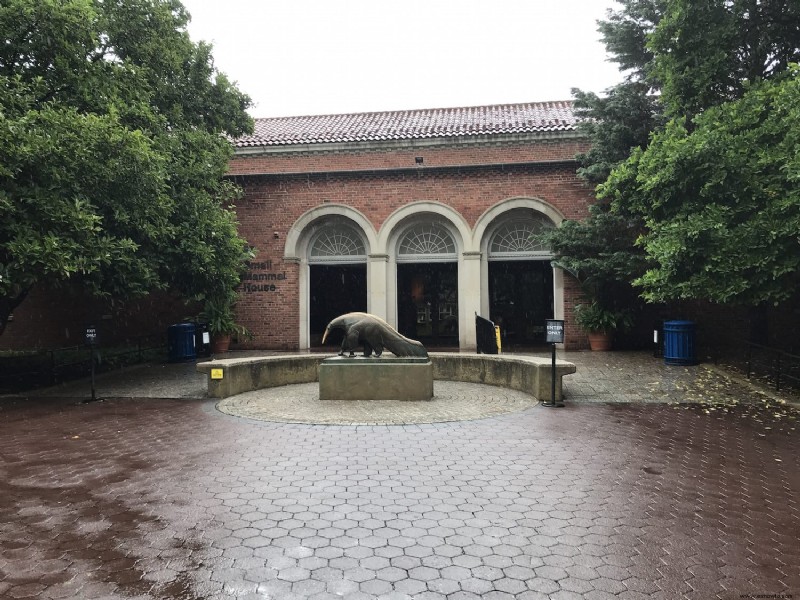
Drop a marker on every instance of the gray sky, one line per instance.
(301, 57)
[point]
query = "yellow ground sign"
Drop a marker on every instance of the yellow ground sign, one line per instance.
(216, 373)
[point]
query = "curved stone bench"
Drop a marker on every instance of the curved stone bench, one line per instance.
(529, 374)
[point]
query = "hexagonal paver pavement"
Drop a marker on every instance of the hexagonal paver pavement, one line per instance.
(153, 498)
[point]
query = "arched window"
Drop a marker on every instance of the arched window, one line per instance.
(516, 239)
(426, 242)
(337, 243)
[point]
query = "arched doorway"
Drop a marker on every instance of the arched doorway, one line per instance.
(427, 285)
(337, 261)
(520, 279)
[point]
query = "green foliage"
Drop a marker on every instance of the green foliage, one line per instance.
(708, 51)
(712, 191)
(615, 123)
(600, 253)
(112, 150)
(625, 33)
(62, 219)
(721, 201)
(623, 118)
(218, 313)
(596, 251)
(594, 317)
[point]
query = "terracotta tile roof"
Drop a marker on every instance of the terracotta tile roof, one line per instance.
(534, 117)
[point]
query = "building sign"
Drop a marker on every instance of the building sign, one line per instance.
(260, 277)
(554, 331)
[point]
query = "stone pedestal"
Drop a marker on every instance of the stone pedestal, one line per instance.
(359, 378)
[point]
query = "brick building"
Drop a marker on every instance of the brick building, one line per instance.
(423, 217)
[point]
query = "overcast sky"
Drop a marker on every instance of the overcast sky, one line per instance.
(310, 57)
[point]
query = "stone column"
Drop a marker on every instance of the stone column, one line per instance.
(377, 273)
(469, 298)
(303, 295)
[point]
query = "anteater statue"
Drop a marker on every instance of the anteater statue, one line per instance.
(375, 334)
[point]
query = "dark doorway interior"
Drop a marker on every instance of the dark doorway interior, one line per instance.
(521, 299)
(335, 290)
(427, 303)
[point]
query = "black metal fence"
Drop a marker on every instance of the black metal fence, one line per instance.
(776, 367)
(27, 370)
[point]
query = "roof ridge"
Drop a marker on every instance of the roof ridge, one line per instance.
(461, 121)
(417, 110)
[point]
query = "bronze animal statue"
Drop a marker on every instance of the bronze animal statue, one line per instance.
(374, 334)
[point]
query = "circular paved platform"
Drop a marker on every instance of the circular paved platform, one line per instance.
(452, 401)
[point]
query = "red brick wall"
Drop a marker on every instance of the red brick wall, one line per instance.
(271, 316)
(540, 151)
(272, 203)
(52, 318)
(279, 188)
(574, 337)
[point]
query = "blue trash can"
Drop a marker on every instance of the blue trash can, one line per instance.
(679, 343)
(180, 342)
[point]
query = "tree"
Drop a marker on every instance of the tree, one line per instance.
(682, 59)
(615, 123)
(625, 33)
(706, 52)
(112, 152)
(591, 251)
(713, 186)
(721, 201)
(600, 250)
(625, 116)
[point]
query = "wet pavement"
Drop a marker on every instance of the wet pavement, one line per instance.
(154, 493)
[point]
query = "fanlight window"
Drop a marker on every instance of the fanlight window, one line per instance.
(429, 242)
(517, 240)
(337, 243)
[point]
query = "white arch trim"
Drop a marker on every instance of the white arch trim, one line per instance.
(296, 238)
(481, 240)
(389, 230)
(296, 249)
(390, 233)
(486, 219)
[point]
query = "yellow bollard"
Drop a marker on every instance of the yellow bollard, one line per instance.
(497, 335)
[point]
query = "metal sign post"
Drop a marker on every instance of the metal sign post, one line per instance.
(554, 329)
(92, 341)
